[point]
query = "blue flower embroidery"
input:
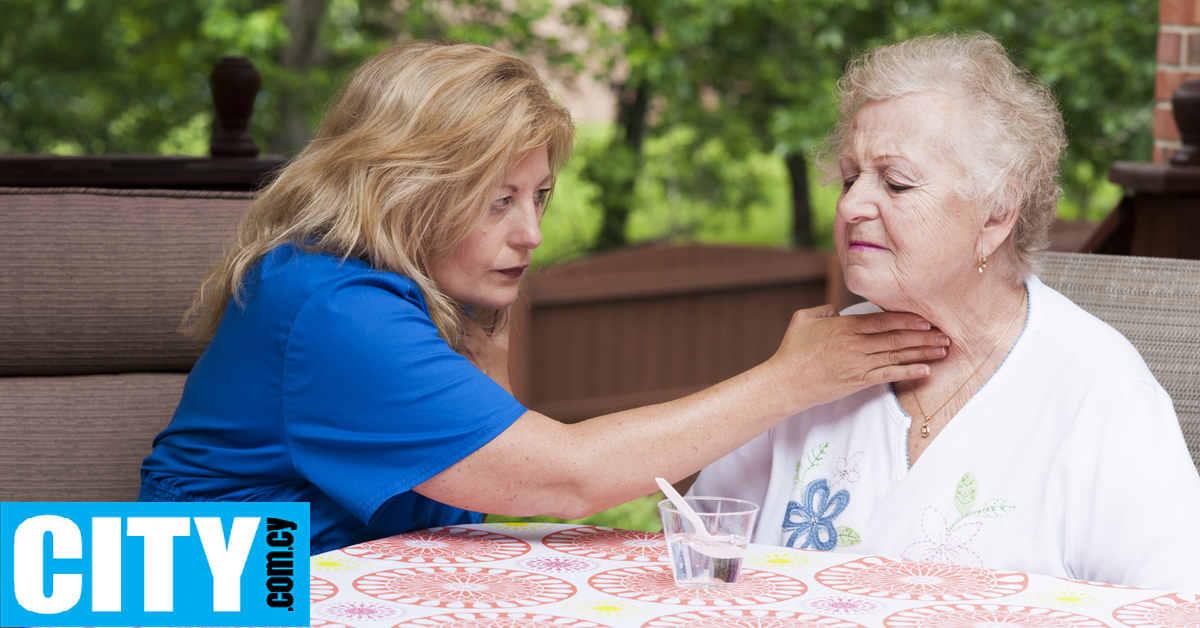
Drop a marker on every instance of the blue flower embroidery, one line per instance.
(814, 518)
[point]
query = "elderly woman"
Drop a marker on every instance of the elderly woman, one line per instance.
(1042, 443)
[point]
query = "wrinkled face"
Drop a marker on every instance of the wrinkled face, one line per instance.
(485, 269)
(903, 235)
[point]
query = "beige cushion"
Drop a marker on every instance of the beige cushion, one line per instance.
(97, 281)
(81, 438)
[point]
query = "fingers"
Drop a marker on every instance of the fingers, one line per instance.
(888, 374)
(911, 356)
(904, 364)
(820, 311)
(901, 340)
(880, 322)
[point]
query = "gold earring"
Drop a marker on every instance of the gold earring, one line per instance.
(982, 262)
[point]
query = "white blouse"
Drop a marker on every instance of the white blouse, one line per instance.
(1069, 461)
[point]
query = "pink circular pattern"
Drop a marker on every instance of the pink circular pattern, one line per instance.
(442, 546)
(609, 544)
(464, 587)
(973, 615)
(1176, 610)
(499, 620)
(843, 605)
(321, 623)
(320, 590)
(735, 618)
(372, 611)
(558, 564)
(653, 583)
(910, 580)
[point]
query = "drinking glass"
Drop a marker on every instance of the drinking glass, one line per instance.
(712, 563)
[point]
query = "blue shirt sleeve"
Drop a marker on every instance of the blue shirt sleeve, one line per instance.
(374, 401)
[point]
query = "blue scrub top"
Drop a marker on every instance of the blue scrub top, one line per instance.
(330, 386)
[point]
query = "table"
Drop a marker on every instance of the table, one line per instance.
(541, 575)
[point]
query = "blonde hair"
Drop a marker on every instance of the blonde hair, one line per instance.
(1007, 127)
(400, 170)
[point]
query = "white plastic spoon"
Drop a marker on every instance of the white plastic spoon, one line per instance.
(709, 545)
(687, 512)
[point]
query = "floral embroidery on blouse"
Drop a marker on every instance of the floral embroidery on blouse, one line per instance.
(950, 543)
(812, 520)
(808, 520)
(845, 471)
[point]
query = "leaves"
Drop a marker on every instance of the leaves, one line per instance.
(752, 77)
(995, 508)
(847, 536)
(125, 76)
(964, 495)
(816, 456)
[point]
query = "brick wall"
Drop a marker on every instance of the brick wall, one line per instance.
(1178, 61)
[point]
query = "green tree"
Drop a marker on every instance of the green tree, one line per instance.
(131, 76)
(131, 85)
(759, 75)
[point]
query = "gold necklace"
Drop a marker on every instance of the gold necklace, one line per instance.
(925, 424)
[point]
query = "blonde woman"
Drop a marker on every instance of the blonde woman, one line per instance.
(336, 372)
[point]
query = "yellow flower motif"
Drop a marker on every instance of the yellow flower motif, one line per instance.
(606, 608)
(1071, 597)
(328, 563)
(783, 559)
(514, 526)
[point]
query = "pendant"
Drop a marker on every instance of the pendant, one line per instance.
(925, 429)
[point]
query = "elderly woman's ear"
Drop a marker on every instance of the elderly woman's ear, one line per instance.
(1002, 219)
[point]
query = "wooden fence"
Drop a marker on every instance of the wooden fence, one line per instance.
(649, 324)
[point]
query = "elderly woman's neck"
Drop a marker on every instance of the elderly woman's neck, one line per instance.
(976, 315)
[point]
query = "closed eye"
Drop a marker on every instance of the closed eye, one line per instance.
(897, 187)
(849, 181)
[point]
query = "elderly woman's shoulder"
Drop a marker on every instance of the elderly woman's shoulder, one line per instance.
(1078, 336)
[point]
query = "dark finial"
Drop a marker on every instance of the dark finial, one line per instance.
(234, 85)
(1186, 104)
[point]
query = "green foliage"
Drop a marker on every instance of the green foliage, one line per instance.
(734, 85)
(131, 76)
(96, 76)
(639, 514)
(759, 74)
(743, 201)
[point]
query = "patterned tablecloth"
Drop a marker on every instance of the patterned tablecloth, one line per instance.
(566, 576)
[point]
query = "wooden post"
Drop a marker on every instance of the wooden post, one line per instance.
(234, 86)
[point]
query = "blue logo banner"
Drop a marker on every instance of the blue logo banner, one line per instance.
(154, 564)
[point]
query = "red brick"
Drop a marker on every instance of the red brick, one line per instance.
(1182, 12)
(1193, 49)
(1169, 47)
(1162, 154)
(1164, 125)
(1166, 81)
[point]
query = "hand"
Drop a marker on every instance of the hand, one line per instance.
(487, 353)
(825, 356)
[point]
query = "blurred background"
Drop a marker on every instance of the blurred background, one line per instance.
(696, 117)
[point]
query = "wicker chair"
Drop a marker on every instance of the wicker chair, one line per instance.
(1155, 303)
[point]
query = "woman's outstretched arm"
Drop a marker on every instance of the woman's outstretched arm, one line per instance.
(541, 466)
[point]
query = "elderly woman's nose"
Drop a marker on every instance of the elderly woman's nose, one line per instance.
(858, 202)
